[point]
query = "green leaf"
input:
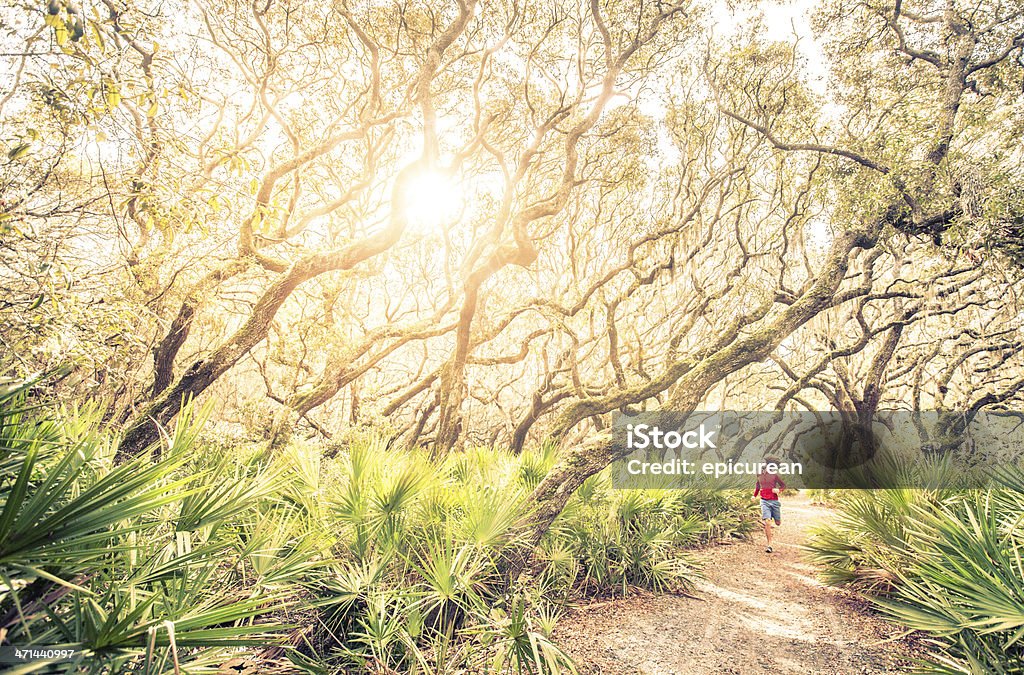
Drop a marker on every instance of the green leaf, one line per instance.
(18, 151)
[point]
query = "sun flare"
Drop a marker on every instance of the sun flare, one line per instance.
(430, 200)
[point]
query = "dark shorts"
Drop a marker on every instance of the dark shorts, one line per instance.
(771, 509)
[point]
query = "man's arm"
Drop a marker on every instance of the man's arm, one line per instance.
(757, 486)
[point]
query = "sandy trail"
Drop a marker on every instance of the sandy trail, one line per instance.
(757, 613)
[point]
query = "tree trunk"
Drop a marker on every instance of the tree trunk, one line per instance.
(579, 463)
(143, 433)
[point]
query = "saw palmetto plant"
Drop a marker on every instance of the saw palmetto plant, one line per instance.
(946, 563)
(371, 560)
(136, 564)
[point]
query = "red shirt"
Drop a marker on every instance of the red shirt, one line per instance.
(767, 484)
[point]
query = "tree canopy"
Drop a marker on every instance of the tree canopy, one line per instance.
(470, 223)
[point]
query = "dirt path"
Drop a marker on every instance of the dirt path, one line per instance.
(758, 613)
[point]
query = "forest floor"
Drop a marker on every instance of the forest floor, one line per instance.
(755, 613)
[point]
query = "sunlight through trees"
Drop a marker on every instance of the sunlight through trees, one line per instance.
(463, 224)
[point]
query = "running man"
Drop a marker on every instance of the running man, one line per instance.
(768, 487)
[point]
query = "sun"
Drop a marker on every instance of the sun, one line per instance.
(430, 199)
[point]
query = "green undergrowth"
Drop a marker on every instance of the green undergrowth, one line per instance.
(947, 563)
(374, 560)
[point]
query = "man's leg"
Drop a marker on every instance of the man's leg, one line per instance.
(775, 513)
(766, 517)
